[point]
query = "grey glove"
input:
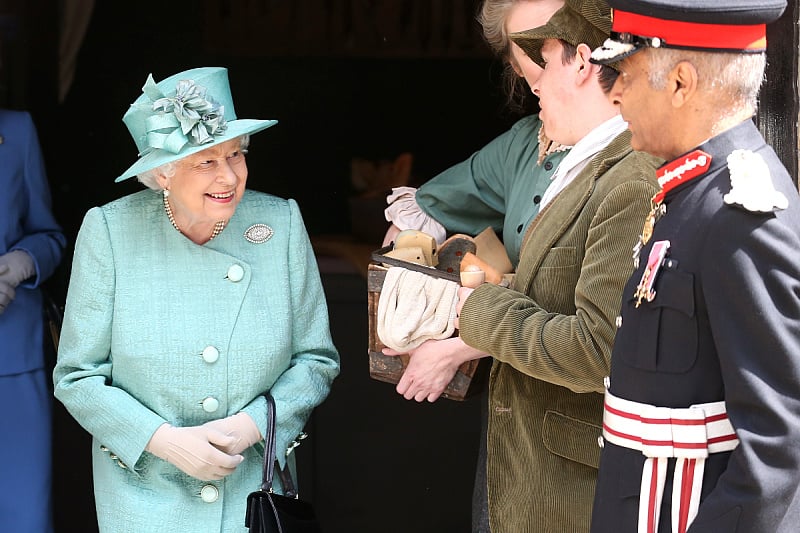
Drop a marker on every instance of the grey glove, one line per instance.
(15, 267)
(7, 292)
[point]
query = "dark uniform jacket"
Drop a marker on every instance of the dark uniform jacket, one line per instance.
(724, 325)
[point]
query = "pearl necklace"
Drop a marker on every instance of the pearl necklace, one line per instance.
(218, 227)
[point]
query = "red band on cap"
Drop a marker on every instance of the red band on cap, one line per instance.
(693, 34)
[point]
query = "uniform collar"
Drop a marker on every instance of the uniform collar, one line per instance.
(744, 135)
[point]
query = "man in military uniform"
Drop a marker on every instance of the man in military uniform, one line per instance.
(702, 412)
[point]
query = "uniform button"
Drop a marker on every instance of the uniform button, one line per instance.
(600, 441)
(537, 199)
(235, 273)
(210, 354)
(548, 165)
(209, 493)
(210, 404)
(519, 228)
(619, 321)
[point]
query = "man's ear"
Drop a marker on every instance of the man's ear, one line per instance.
(586, 69)
(682, 83)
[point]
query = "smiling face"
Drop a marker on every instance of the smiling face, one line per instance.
(526, 15)
(207, 186)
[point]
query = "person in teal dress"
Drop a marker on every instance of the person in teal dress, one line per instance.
(187, 302)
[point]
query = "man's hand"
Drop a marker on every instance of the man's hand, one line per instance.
(431, 367)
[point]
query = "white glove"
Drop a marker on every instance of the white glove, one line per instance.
(196, 450)
(239, 426)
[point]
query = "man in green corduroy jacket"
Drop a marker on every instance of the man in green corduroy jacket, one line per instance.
(550, 333)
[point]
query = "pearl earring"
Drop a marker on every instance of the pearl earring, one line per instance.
(166, 193)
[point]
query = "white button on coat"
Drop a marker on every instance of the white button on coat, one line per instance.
(235, 273)
(210, 354)
(209, 493)
(210, 404)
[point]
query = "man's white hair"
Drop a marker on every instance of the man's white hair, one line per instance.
(736, 75)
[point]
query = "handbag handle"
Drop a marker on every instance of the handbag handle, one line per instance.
(271, 459)
(269, 445)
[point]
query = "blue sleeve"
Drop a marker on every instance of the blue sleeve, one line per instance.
(42, 236)
(752, 287)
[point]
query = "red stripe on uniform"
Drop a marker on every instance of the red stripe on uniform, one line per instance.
(693, 34)
(651, 507)
(675, 421)
(687, 483)
(673, 444)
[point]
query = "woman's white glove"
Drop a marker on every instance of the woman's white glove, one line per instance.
(405, 213)
(239, 426)
(15, 267)
(196, 450)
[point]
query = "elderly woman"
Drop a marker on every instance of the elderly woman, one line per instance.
(188, 302)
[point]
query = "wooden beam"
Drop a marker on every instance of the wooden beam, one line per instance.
(778, 115)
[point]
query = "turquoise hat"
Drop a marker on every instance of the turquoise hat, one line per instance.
(184, 114)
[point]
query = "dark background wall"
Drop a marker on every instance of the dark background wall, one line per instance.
(330, 108)
(374, 462)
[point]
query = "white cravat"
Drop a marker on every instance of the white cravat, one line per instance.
(580, 155)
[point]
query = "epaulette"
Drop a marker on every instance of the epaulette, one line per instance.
(751, 184)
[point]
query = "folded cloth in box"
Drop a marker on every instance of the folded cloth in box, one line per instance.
(414, 307)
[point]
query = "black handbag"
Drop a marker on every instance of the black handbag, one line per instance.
(268, 512)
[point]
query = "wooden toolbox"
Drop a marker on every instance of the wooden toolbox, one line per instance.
(470, 378)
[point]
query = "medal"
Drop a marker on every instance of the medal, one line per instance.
(656, 212)
(654, 262)
(669, 176)
(649, 223)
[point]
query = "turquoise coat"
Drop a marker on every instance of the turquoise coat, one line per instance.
(159, 329)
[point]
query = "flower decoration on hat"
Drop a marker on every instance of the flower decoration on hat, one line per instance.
(751, 183)
(190, 117)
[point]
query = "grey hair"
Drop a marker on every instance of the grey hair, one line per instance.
(736, 75)
(492, 18)
(150, 177)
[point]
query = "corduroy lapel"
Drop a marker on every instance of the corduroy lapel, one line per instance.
(559, 215)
